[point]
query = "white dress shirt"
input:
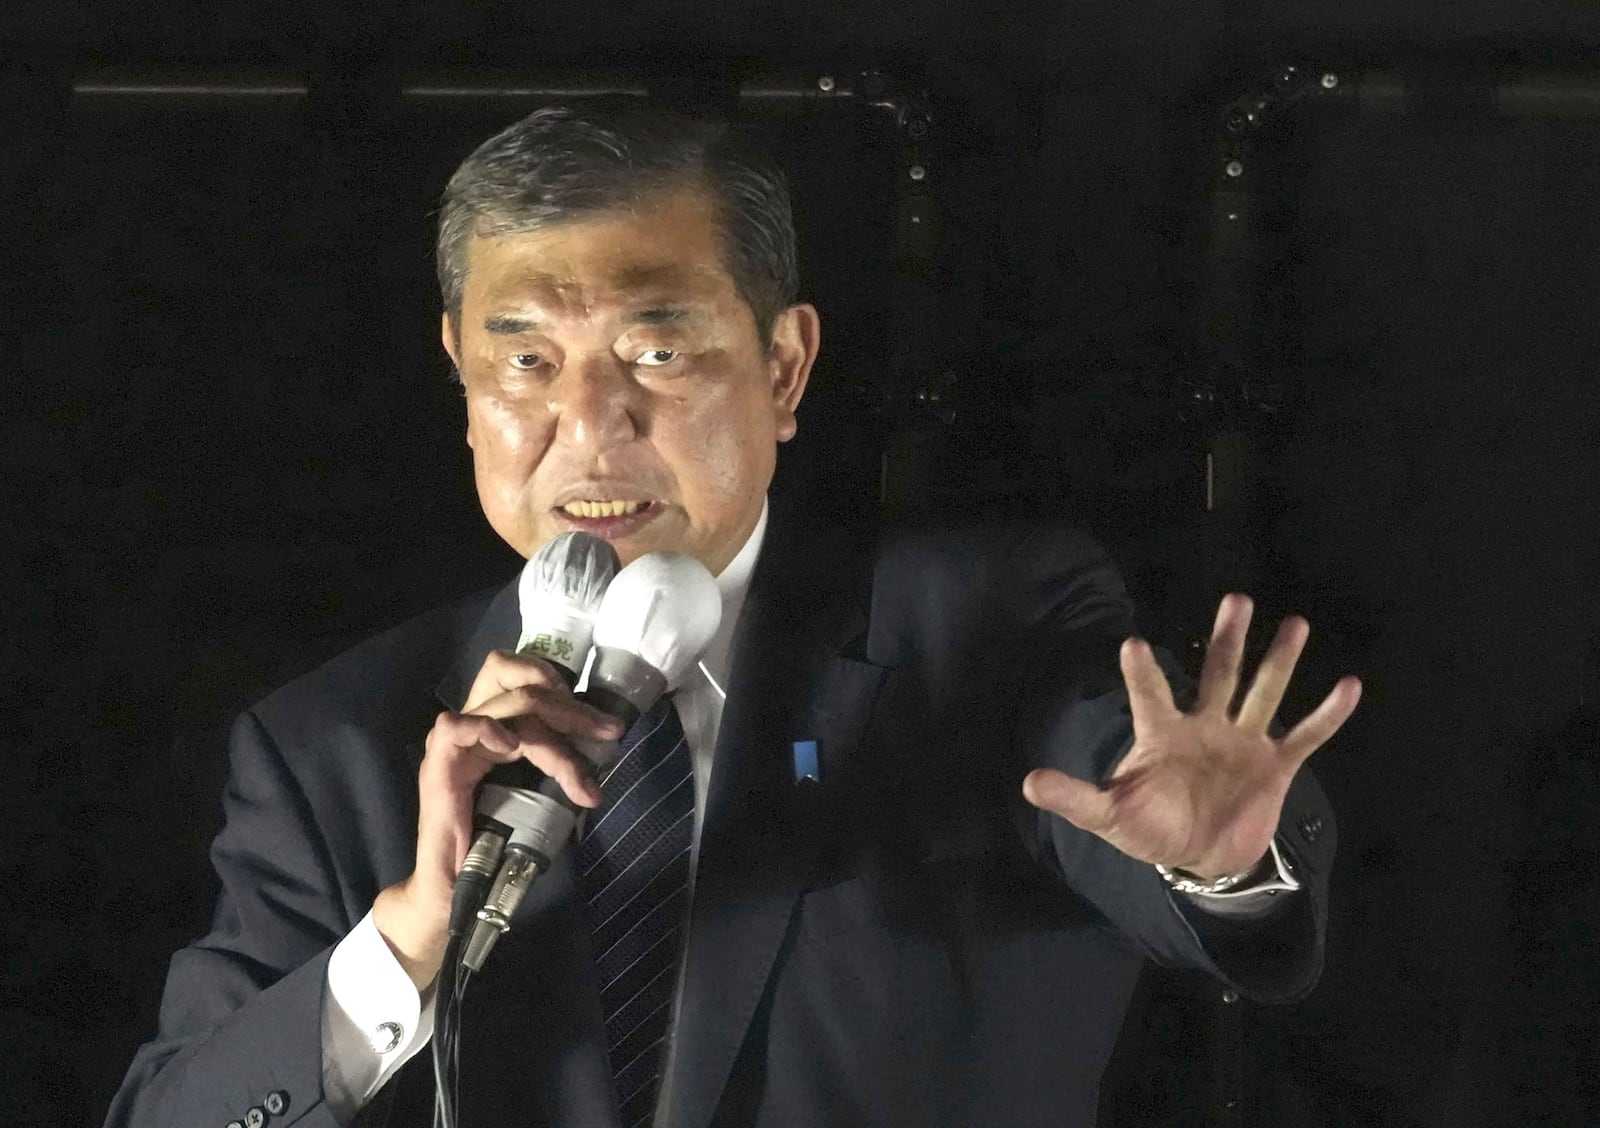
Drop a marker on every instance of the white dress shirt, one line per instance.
(373, 1019)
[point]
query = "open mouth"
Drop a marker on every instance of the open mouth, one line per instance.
(601, 510)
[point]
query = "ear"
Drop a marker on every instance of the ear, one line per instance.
(452, 346)
(796, 337)
(450, 338)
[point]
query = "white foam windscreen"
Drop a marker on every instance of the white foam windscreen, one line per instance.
(664, 607)
(559, 594)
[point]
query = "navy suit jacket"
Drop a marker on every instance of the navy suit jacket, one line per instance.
(906, 942)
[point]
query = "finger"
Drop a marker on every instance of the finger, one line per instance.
(1081, 804)
(556, 708)
(1261, 703)
(547, 750)
(469, 732)
(560, 762)
(1322, 722)
(460, 750)
(1219, 676)
(463, 747)
(1149, 693)
(504, 670)
(444, 832)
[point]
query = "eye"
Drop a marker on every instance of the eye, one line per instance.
(655, 358)
(527, 362)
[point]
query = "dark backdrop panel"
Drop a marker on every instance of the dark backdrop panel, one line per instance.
(243, 454)
(1431, 494)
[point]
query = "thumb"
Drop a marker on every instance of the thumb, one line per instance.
(1082, 804)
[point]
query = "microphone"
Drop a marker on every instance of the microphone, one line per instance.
(559, 594)
(657, 616)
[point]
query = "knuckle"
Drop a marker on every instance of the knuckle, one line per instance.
(532, 696)
(543, 672)
(528, 728)
(553, 756)
(525, 668)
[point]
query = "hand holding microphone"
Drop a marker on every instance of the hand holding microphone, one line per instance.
(655, 620)
(650, 627)
(520, 709)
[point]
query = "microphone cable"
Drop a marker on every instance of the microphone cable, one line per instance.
(471, 889)
(449, 988)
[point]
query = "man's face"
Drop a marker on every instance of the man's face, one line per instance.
(615, 383)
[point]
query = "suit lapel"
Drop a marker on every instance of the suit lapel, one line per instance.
(496, 629)
(757, 846)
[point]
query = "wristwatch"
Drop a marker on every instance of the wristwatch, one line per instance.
(1257, 879)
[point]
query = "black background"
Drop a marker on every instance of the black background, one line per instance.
(231, 450)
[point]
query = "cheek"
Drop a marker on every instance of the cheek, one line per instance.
(725, 440)
(508, 442)
(506, 433)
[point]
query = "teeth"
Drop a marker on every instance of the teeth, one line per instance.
(592, 509)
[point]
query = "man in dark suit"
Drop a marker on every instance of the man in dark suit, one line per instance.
(940, 924)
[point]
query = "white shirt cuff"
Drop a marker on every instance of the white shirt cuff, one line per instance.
(373, 1019)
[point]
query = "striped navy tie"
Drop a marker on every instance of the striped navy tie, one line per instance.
(633, 876)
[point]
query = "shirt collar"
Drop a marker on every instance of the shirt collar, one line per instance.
(734, 580)
(734, 584)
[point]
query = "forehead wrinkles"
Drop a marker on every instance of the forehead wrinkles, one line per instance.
(624, 282)
(586, 269)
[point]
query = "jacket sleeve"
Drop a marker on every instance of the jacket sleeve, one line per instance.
(241, 1013)
(1076, 719)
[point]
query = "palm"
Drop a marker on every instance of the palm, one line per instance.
(1202, 790)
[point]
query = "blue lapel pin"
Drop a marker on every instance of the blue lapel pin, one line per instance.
(806, 763)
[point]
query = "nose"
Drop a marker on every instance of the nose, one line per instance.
(592, 400)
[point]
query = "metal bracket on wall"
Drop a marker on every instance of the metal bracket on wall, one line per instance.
(1237, 381)
(1231, 396)
(1237, 394)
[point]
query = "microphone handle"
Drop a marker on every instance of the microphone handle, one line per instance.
(540, 830)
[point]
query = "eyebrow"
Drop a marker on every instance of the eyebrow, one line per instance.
(659, 315)
(510, 324)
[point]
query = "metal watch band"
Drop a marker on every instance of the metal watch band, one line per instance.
(1230, 884)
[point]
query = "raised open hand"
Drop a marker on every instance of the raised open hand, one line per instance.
(1201, 791)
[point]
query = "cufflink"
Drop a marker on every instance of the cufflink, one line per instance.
(386, 1036)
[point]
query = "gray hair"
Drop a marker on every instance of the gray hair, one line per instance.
(606, 154)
